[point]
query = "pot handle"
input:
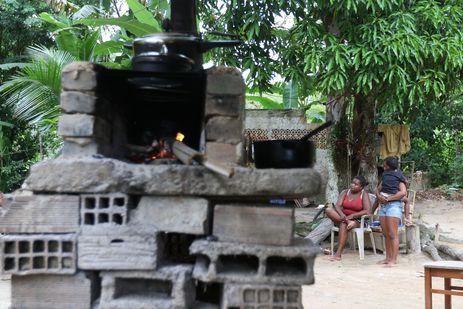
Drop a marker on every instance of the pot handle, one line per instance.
(208, 45)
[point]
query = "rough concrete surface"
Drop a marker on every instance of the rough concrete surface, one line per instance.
(38, 254)
(79, 75)
(167, 287)
(118, 252)
(172, 214)
(106, 175)
(50, 292)
(254, 224)
(248, 263)
(78, 102)
(250, 295)
(62, 215)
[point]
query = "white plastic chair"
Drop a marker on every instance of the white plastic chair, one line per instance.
(358, 234)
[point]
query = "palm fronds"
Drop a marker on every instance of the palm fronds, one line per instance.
(33, 92)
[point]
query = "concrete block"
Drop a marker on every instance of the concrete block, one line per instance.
(224, 129)
(117, 252)
(79, 175)
(168, 287)
(41, 214)
(254, 224)
(53, 291)
(82, 125)
(38, 254)
(219, 105)
(172, 214)
(224, 81)
(261, 296)
(104, 209)
(247, 263)
(79, 76)
(78, 102)
(83, 147)
(224, 152)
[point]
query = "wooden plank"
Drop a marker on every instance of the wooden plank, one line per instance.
(448, 298)
(446, 273)
(427, 288)
(435, 291)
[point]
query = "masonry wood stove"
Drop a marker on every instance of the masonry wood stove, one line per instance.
(108, 227)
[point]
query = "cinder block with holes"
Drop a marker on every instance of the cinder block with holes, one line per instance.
(218, 261)
(167, 287)
(99, 209)
(53, 291)
(38, 254)
(237, 223)
(118, 251)
(41, 214)
(244, 296)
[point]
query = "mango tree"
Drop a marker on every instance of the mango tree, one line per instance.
(375, 54)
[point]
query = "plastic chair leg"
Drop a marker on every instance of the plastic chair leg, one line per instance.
(332, 242)
(361, 242)
(373, 243)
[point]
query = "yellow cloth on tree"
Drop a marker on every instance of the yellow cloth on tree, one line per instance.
(395, 140)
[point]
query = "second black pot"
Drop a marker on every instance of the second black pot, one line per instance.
(284, 154)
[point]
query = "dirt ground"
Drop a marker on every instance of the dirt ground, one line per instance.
(353, 283)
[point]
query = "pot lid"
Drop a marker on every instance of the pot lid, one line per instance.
(166, 37)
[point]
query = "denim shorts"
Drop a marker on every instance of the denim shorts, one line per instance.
(391, 209)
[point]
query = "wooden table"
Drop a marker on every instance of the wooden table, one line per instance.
(444, 269)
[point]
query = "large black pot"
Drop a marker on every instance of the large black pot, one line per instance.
(181, 51)
(284, 154)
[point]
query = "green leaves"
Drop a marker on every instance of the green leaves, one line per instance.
(125, 22)
(143, 15)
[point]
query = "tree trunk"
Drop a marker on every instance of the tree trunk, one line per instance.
(364, 134)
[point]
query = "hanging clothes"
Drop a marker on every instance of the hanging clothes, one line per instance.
(395, 140)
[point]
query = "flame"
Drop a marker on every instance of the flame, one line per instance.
(179, 137)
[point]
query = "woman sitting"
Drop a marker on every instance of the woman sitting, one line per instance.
(352, 204)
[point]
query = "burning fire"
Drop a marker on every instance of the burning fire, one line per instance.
(179, 137)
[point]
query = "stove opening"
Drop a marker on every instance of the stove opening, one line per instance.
(149, 110)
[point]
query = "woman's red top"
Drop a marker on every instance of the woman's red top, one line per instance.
(352, 207)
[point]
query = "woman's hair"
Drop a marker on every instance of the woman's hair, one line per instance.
(392, 162)
(363, 181)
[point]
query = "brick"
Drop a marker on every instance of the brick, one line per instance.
(53, 291)
(42, 214)
(254, 224)
(224, 129)
(219, 261)
(117, 252)
(167, 287)
(82, 125)
(219, 105)
(79, 76)
(224, 81)
(173, 214)
(223, 152)
(38, 254)
(77, 175)
(104, 209)
(261, 296)
(78, 102)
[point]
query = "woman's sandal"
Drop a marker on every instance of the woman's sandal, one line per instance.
(334, 258)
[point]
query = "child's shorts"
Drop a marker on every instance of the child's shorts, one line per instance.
(391, 209)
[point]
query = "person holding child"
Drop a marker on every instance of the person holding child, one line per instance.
(390, 194)
(352, 204)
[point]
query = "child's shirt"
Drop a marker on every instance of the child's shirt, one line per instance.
(390, 181)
